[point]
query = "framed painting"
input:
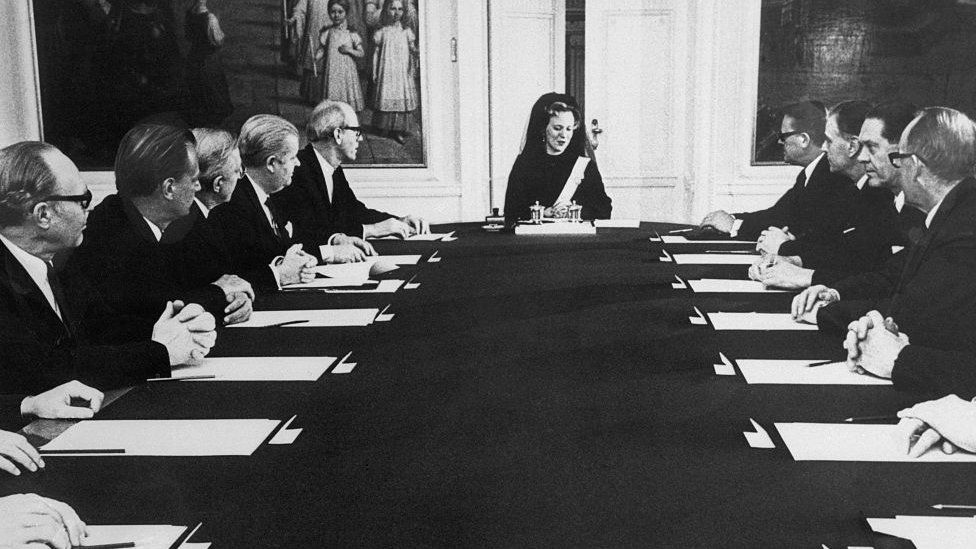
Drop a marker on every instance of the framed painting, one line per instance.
(921, 51)
(106, 65)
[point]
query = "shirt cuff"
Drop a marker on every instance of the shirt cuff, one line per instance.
(736, 225)
(275, 273)
(328, 253)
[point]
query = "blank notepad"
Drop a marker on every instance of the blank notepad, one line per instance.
(715, 259)
(166, 437)
(855, 442)
(757, 321)
(721, 285)
(278, 368)
(796, 372)
(314, 318)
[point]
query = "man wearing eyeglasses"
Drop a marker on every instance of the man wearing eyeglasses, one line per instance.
(874, 229)
(321, 202)
(925, 293)
(55, 327)
(815, 211)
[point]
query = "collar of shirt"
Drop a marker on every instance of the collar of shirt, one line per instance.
(155, 230)
(203, 208)
(861, 182)
(932, 212)
(328, 171)
(36, 268)
(899, 201)
(810, 167)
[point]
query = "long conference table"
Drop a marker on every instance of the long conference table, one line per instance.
(533, 391)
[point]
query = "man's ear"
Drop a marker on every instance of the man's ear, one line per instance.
(166, 188)
(42, 214)
(853, 147)
(269, 164)
(216, 183)
(337, 135)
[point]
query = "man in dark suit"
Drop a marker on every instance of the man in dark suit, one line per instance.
(320, 201)
(929, 294)
(55, 329)
(125, 253)
(877, 224)
(810, 219)
(202, 254)
(257, 233)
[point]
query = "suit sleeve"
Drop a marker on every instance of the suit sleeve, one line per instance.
(926, 369)
(834, 318)
(297, 205)
(778, 215)
(592, 196)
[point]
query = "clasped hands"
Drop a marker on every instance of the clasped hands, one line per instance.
(349, 249)
(295, 266)
(720, 220)
(949, 422)
(187, 332)
(807, 302)
(772, 238)
(776, 271)
(873, 344)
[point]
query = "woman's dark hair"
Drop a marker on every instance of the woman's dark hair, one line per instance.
(545, 108)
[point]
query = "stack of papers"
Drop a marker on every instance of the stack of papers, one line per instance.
(145, 536)
(714, 259)
(757, 321)
(616, 223)
(279, 368)
(856, 442)
(163, 437)
(310, 318)
(929, 532)
(798, 372)
(721, 285)
(555, 228)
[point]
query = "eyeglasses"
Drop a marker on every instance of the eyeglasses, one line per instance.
(82, 199)
(783, 136)
(357, 129)
(896, 156)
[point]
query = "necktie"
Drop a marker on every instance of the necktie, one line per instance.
(58, 291)
(801, 179)
(279, 230)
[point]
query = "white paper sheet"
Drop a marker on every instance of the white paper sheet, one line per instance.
(316, 318)
(409, 259)
(715, 259)
(555, 228)
(419, 237)
(384, 287)
(796, 372)
(167, 437)
(326, 283)
(616, 223)
(725, 368)
(855, 442)
(680, 239)
(721, 285)
(929, 532)
(757, 321)
(759, 438)
(145, 536)
(265, 368)
(345, 271)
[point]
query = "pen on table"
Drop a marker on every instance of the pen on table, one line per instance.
(411, 279)
(383, 311)
(201, 376)
(121, 545)
(676, 231)
(822, 363)
(286, 323)
(433, 255)
(871, 419)
(81, 451)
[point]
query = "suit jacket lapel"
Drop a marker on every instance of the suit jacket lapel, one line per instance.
(918, 251)
(254, 205)
(30, 301)
(320, 192)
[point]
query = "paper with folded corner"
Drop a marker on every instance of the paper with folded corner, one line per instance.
(796, 372)
(725, 368)
(277, 368)
(616, 223)
(145, 536)
(344, 368)
(285, 435)
(698, 319)
(680, 284)
(715, 259)
(188, 545)
(317, 318)
(929, 532)
(384, 317)
(760, 438)
(721, 285)
(757, 321)
(411, 286)
(167, 437)
(679, 239)
(419, 237)
(856, 442)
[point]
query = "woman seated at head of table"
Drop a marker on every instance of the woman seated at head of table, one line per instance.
(553, 168)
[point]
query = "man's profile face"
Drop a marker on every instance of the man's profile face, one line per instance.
(837, 147)
(874, 156)
(350, 138)
(68, 224)
(285, 163)
(793, 145)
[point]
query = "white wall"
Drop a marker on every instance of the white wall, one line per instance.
(719, 44)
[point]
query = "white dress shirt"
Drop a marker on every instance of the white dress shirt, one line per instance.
(156, 231)
(328, 171)
(932, 212)
(203, 208)
(37, 269)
